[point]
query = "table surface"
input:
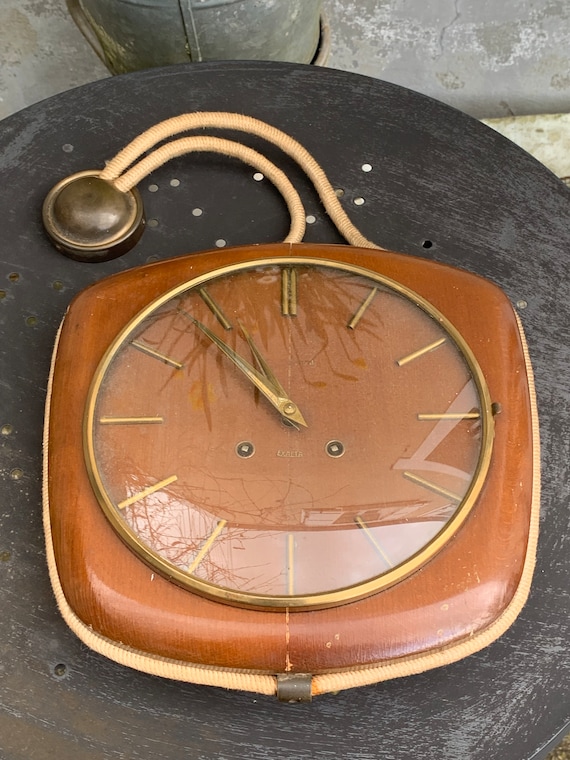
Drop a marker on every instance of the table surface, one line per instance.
(442, 185)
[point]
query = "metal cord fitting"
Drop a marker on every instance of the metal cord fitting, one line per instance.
(88, 219)
(294, 687)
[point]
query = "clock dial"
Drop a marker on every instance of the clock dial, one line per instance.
(288, 433)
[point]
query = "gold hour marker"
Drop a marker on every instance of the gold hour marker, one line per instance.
(420, 352)
(215, 309)
(130, 420)
(451, 416)
(147, 492)
(290, 564)
(361, 309)
(361, 524)
(156, 354)
(289, 292)
(207, 545)
(433, 487)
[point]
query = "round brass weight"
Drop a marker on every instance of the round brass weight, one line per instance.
(89, 220)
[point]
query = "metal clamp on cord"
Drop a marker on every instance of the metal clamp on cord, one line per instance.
(295, 687)
(96, 216)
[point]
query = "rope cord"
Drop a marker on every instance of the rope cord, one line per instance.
(229, 148)
(264, 683)
(117, 173)
(328, 682)
(164, 667)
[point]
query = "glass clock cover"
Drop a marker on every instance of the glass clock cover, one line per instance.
(377, 452)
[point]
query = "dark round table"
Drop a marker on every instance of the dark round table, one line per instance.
(416, 176)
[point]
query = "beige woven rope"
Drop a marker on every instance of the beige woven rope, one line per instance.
(228, 148)
(118, 174)
(263, 683)
(124, 178)
(242, 680)
(419, 663)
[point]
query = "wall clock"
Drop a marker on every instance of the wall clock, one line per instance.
(291, 468)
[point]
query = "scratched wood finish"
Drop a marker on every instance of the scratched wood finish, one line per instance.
(459, 592)
(443, 187)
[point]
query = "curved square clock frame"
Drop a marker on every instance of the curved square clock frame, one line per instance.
(461, 600)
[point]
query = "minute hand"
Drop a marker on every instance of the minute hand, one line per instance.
(273, 391)
(263, 365)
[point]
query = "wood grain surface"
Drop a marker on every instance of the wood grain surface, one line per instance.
(458, 593)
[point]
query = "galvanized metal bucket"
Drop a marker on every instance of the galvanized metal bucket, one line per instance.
(136, 34)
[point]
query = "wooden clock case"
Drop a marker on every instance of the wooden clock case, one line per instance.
(461, 600)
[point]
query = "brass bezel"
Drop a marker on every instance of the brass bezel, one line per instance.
(296, 602)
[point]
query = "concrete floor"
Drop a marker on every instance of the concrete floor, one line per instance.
(490, 59)
(484, 57)
(487, 58)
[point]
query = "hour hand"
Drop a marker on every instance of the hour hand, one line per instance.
(265, 382)
(266, 370)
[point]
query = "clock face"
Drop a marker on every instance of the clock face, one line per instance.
(288, 433)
